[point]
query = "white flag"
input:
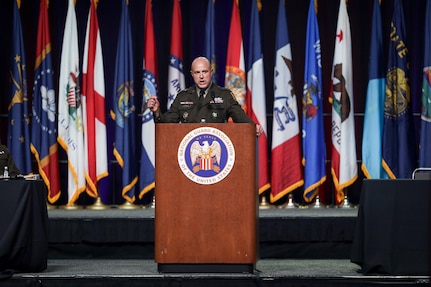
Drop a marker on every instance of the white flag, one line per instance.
(93, 103)
(70, 121)
(344, 166)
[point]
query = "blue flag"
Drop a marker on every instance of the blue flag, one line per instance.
(399, 149)
(124, 108)
(374, 106)
(425, 140)
(19, 121)
(43, 125)
(313, 142)
(210, 38)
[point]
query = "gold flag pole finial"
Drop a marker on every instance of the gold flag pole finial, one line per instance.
(18, 2)
(316, 7)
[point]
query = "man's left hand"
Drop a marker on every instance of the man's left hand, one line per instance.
(259, 130)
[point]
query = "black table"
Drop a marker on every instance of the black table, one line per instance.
(23, 225)
(392, 233)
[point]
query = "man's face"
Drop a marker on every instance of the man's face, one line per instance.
(201, 73)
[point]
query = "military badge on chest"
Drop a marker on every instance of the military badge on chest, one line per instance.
(216, 101)
(185, 116)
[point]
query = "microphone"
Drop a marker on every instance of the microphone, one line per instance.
(213, 95)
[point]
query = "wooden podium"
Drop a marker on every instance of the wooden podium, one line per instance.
(206, 198)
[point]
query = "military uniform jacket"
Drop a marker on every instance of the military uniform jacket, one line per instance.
(218, 106)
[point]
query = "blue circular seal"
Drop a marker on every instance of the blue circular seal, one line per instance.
(206, 155)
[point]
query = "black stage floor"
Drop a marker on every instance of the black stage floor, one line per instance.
(268, 272)
(115, 247)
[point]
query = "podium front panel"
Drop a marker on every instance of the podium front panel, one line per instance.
(206, 220)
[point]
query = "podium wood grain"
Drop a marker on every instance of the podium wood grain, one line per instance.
(206, 224)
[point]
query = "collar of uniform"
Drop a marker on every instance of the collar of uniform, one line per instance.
(202, 92)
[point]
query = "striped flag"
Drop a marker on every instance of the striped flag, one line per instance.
(374, 106)
(147, 175)
(313, 140)
(399, 149)
(235, 65)
(425, 139)
(70, 117)
(124, 108)
(19, 121)
(176, 80)
(43, 125)
(256, 96)
(209, 44)
(344, 168)
(93, 104)
(286, 142)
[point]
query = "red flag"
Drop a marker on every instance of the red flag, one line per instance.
(176, 80)
(93, 100)
(256, 95)
(235, 66)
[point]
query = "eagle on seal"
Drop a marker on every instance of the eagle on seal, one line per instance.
(205, 151)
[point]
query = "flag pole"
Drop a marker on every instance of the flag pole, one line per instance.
(317, 201)
(98, 204)
(290, 204)
(72, 206)
(128, 205)
(345, 203)
(263, 203)
(153, 202)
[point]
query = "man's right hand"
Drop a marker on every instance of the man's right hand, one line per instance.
(154, 106)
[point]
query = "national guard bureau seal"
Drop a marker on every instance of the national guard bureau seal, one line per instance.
(206, 155)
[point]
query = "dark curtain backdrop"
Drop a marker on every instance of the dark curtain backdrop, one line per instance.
(193, 16)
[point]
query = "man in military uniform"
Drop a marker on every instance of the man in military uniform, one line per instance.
(7, 160)
(204, 102)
